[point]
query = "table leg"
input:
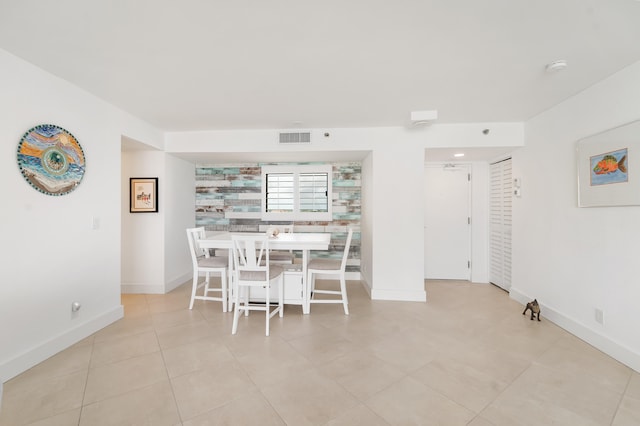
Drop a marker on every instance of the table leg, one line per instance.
(305, 289)
(230, 293)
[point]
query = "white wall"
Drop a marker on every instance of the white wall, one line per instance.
(392, 237)
(572, 259)
(366, 224)
(397, 212)
(50, 255)
(143, 233)
(179, 201)
(155, 255)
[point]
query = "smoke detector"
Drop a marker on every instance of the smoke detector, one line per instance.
(423, 117)
(556, 66)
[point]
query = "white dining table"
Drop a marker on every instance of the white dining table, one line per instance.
(304, 242)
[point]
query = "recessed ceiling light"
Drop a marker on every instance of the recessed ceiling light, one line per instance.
(555, 66)
(459, 154)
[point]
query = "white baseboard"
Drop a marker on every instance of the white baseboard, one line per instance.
(610, 347)
(36, 355)
(399, 295)
(395, 295)
(177, 282)
(141, 289)
(366, 286)
(145, 288)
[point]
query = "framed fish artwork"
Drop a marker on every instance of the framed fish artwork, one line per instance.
(608, 167)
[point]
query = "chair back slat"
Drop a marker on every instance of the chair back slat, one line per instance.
(194, 235)
(251, 252)
(251, 257)
(347, 245)
(203, 263)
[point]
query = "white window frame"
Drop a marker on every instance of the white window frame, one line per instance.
(296, 214)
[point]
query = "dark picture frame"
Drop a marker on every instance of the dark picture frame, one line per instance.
(143, 195)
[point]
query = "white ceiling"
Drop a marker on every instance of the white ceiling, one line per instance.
(249, 64)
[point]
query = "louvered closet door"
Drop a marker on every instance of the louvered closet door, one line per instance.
(500, 224)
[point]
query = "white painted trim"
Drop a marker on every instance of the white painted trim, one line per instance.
(295, 171)
(399, 295)
(47, 349)
(177, 282)
(589, 335)
(145, 288)
(366, 286)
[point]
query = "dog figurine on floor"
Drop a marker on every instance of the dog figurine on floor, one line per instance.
(534, 307)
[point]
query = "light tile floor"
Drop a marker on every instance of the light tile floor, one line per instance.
(466, 357)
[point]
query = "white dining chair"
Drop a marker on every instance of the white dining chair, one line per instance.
(331, 269)
(252, 269)
(204, 263)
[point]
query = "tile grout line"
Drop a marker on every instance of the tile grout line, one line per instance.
(517, 376)
(86, 381)
(164, 363)
(622, 396)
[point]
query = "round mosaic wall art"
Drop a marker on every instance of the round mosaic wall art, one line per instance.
(51, 159)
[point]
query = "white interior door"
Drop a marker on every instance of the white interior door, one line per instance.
(500, 224)
(447, 222)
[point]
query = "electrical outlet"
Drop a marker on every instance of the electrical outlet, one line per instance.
(599, 316)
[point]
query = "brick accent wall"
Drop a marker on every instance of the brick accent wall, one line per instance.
(228, 198)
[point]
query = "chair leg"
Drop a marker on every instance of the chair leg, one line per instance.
(281, 296)
(236, 312)
(207, 282)
(223, 286)
(230, 292)
(310, 290)
(194, 287)
(267, 310)
(343, 290)
(313, 286)
(246, 301)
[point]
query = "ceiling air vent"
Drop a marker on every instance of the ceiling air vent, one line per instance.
(295, 137)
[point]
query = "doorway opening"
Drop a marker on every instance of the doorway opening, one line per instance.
(447, 222)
